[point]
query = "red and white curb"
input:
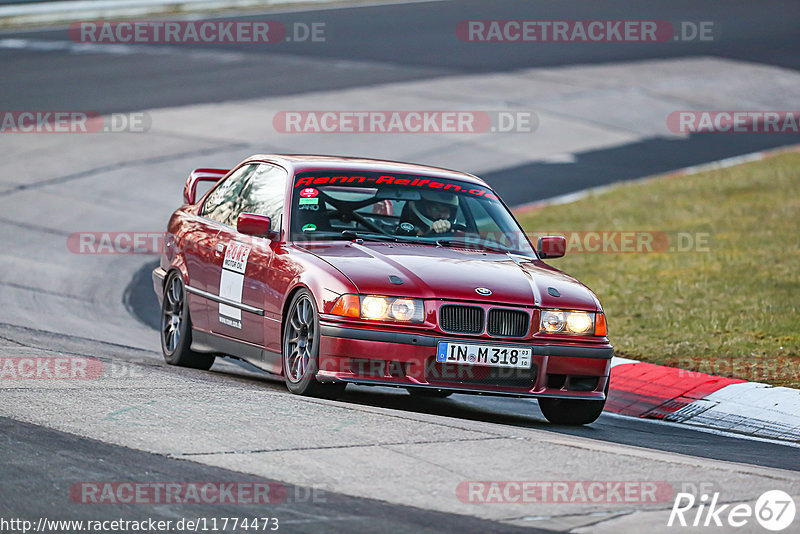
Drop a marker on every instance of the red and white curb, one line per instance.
(647, 390)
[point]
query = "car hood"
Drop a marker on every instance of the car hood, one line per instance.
(453, 274)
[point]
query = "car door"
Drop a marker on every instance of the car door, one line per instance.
(246, 268)
(197, 245)
(203, 250)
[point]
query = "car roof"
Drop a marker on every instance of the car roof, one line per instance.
(297, 163)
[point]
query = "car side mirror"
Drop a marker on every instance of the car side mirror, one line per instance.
(257, 225)
(552, 246)
(200, 175)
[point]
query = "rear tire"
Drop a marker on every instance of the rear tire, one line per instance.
(572, 411)
(301, 350)
(176, 327)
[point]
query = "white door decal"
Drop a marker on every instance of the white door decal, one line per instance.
(231, 282)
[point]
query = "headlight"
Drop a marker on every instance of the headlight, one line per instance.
(380, 308)
(374, 307)
(579, 322)
(403, 309)
(552, 321)
(572, 322)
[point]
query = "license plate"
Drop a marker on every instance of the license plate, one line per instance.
(484, 355)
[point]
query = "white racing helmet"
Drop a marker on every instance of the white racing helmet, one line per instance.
(434, 197)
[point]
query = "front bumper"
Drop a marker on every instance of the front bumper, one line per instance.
(376, 357)
(158, 283)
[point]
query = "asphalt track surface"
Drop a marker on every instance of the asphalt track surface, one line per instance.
(399, 42)
(378, 45)
(39, 466)
(394, 43)
(517, 412)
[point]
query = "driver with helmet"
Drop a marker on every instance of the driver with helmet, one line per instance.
(434, 213)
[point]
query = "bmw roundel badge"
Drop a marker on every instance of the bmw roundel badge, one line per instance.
(483, 291)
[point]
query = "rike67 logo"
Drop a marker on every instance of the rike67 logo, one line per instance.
(774, 510)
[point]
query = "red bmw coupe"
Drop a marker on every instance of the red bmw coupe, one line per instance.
(329, 271)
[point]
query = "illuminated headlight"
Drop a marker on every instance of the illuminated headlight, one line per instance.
(374, 307)
(380, 308)
(403, 309)
(392, 309)
(579, 322)
(552, 321)
(567, 322)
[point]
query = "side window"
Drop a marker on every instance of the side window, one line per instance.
(264, 193)
(493, 223)
(223, 202)
(484, 221)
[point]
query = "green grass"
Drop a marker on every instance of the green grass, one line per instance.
(730, 310)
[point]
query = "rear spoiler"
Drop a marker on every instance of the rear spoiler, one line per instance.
(200, 175)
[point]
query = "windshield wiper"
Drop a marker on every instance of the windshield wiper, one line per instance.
(484, 246)
(441, 242)
(351, 234)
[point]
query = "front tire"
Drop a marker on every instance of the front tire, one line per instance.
(301, 350)
(176, 327)
(572, 412)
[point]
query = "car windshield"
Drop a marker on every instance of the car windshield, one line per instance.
(398, 207)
